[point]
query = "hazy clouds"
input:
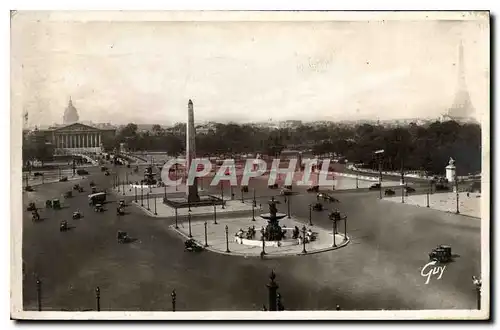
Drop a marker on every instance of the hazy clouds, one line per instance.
(146, 71)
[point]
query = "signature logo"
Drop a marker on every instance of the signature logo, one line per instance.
(431, 269)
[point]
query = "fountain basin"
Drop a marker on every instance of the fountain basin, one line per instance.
(268, 216)
(255, 242)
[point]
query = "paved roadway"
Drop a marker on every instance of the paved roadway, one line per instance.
(380, 269)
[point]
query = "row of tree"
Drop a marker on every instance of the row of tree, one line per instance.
(415, 147)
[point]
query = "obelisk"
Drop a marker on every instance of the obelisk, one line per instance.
(191, 190)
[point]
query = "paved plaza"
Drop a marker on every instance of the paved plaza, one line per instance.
(468, 205)
(378, 269)
(216, 237)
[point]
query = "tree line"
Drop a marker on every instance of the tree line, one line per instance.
(413, 147)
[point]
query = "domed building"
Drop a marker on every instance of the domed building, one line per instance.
(73, 137)
(70, 114)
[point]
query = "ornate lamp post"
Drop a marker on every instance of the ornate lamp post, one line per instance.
(147, 198)
(263, 238)
(304, 239)
(310, 215)
(135, 193)
(98, 299)
(288, 206)
(155, 206)
(379, 154)
(273, 288)
(215, 214)
(142, 195)
(206, 240)
(39, 294)
(189, 224)
(402, 194)
(174, 297)
(123, 188)
(478, 283)
(427, 199)
(357, 179)
(176, 226)
(222, 194)
(227, 239)
(254, 202)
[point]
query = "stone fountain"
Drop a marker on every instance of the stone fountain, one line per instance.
(273, 231)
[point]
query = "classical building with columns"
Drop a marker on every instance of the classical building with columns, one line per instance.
(74, 137)
(78, 137)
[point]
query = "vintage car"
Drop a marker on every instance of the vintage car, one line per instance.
(409, 189)
(63, 226)
(286, 192)
(28, 188)
(31, 207)
(56, 204)
(82, 172)
(288, 187)
(35, 216)
(327, 197)
(104, 168)
(92, 184)
(94, 190)
(313, 189)
(273, 186)
(76, 187)
(122, 203)
(98, 208)
(63, 179)
(191, 246)
(441, 254)
(106, 173)
(76, 215)
(68, 194)
(389, 192)
(317, 207)
(122, 236)
(244, 189)
(97, 198)
(375, 186)
(37, 174)
(120, 211)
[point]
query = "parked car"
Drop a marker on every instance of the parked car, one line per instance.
(375, 186)
(389, 192)
(82, 172)
(63, 179)
(409, 190)
(37, 174)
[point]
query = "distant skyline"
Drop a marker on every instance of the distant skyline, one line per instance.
(145, 72)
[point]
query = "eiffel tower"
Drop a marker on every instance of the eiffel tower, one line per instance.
(462, 108)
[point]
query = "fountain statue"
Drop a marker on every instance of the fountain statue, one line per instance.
(273, 231)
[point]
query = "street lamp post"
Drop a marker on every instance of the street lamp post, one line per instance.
(304, 239)
(176, 226)
(345, 227)
(254, 199)
(402, 194)
(135, 193)
(357, 180)
(142, 195)
(263, 238)
(310, 215)
(39, 294)
(288, 206)
(123, 188)
(215, 214)
(222, 194)
(478, 283)
(155, 206)
(379, 154)
(227, 239)
(253, 212)
(98, 299)
(189, 224)
(427, 199)
(206, 239)
(334, 229)
(147, 198)
(273, 288)
(456, 191)
(174, 296)
(165, 191)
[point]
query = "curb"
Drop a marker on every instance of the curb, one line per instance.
(434, 209)
(267, 256)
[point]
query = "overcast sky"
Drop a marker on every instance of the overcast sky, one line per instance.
(146, 72)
